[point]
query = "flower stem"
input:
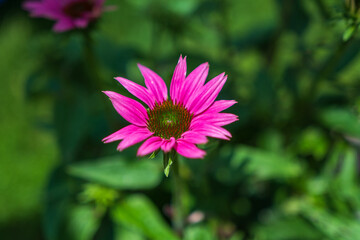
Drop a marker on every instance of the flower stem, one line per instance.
(178, 218)
(329, 66)
(91, 61)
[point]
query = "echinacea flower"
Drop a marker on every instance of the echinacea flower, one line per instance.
(68, 14)
(178, 123)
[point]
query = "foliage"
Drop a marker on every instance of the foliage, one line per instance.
(291, 170)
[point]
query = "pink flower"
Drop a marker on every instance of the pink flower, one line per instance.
(186, 119)
(68, 14)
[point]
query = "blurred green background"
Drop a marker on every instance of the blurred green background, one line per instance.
(290, 172)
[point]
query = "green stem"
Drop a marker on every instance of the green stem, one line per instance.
(94, 84)
(91, 63)
(329, 67)
(306, 106)
(178, 218)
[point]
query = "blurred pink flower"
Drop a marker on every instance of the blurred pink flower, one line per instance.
(68, 14)
(186, 119)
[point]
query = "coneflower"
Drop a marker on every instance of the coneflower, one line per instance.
(179, 123)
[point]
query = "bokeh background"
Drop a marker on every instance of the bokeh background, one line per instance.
(291, 170)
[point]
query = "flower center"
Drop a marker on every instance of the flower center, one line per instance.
(76, 9)
(168, 120)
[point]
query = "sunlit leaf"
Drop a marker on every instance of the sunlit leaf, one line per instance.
(265, 164)
(342, 121)
(287, 228)
(128, 234)
(167, 162)
(138, 212)
(334, 226)
(349, 32)
(119, 173)
(199, 232)
(82, 223)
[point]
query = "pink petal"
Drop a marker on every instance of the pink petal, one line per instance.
(99, 3)
(211, 130)
(168, 144)
(218, 119)
(137, 90)
(154, 83)
(220, 105)
(194, 137)
(81, 22)
(188, 150)
(121, 134)
(150, 145)
(129, 109)
(63, 24)
(193, 82)
(43, 9)
(178, 79)
(208, 94)
(35, 8)
(134, 138)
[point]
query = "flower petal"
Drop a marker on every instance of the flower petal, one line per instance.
(134, 138)
(63, 24)
(220, 105)
(137, 90)
(99, 3)
(194, 81)
(218, 119)
(129, 109)
(81, 22)
(150, 145)
(168, 144)
(211, 130)
(154, 83)
(51, 10)
(194, 137)
(208, 94)
(121, 134)
(188, 150)
(178, 79)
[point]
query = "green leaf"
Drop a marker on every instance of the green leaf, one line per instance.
(312, 141)
(167, 168)
(348, 173)
(167, 163)
(345, 185)
(284, 228)
(153, 155)
(82, 223)
(334, 226)
(252, 20)
(57, 203)
(198, 232)
(119, 173)
(265, 164)
(338, 180)
(342, 121)
(128, 234)
(102, 196)
(138, 212)
(349, 32)
(237, 236)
